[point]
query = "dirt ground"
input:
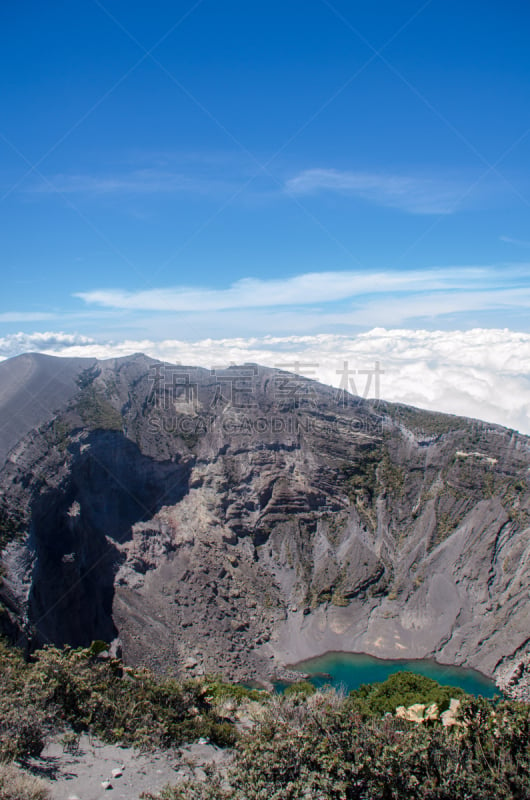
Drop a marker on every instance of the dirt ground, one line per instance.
(98, 771)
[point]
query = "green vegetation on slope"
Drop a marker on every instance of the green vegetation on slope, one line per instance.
(97, 411)
(428, 423)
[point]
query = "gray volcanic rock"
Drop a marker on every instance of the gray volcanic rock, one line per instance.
(233, 521)
(33, 388)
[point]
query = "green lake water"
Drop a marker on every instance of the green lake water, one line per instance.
(350, 670)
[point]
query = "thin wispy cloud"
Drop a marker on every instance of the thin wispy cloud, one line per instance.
(315, 302)
(307, 289)
(163, 173)
(415, 195)
(437, 305)
(146, 181)
(517, 242)
(26, 316)
(191, 175)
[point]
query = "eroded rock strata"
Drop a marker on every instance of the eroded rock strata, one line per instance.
(239, 520)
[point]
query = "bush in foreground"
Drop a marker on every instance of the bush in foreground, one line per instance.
(319, 746)
(125, 704)
(81, 690)
(22, 720)
(322, 750)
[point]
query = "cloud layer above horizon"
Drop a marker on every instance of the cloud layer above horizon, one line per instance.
(482, 373)
(406, 298)
(299, 290)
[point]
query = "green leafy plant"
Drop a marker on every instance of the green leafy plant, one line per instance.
(301, 689)
(220, 690)
(402, 689)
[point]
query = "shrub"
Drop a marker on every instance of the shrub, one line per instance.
(85, 690)
(320, 746)
(22, 733)
(402, 689)
(219, 690)
(22, 722)
(90, 692)
(301, 689)
(321, 750)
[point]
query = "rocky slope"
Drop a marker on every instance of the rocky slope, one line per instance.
(239, 520)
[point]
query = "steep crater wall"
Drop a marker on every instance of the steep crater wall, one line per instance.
(238, 538)
(77, 525)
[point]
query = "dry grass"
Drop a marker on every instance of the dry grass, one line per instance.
(15, 784)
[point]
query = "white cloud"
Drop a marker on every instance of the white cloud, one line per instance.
(483, 373)
(308, 289)
(46, 342)
(416, 195)
(429, 306)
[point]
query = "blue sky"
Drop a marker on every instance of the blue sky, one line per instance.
(211, 169)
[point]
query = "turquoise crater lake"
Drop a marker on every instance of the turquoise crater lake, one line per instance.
(350, 670)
